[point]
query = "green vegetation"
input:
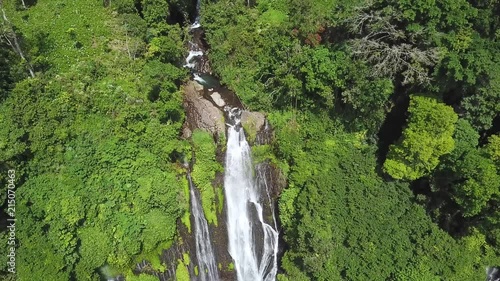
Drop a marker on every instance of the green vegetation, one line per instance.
(59, 38)
(204, 170)
(250, 127)
(186, 218)
(141, 277)
(340, 82)
(261, 153)
(428, 136)
(182, 273)
(93, 139)
(386, 118)
(338, 212)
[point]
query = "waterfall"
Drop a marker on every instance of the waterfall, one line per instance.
(253, 244)
(196, 23)
(207, 267)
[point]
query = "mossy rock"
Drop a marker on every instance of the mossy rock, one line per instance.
(182, 272)
(252, 123)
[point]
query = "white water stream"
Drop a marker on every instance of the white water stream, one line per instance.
(253, 244)
(207, 267)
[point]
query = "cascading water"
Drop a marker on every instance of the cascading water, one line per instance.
(253, 244)
(190, 57)
(195, 51)
(207, 267)
(196, 23)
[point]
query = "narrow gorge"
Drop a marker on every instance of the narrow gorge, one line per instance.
(242, 242)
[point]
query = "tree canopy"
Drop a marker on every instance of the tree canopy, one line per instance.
(385, 118)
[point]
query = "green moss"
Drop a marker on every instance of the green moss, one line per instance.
(204, 171)
(186, 259)
(250, 127)
(230, 266)
(185, 219)
(261, 153)
(208, 205)
(157, 265)
(196, 270)
(182, 272)
(222, 139)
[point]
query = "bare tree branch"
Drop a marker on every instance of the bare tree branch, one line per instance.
(387, 47)
(10, 36)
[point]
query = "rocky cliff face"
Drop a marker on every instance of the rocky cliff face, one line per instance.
(200, 112)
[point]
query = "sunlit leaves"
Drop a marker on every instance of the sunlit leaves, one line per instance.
(96, 246)
(426, 138)
(493, 149)
(204, 171)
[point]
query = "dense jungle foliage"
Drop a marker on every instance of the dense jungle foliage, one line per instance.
(386, 118)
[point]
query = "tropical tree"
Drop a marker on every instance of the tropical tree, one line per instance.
(427, 136)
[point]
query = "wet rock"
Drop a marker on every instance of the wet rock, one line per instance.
(218, 99)
(493, 274)
(203, 65)
(197, 86)
(170, 257)
(186, 132)
(252, 122)
(201, 113)
(265, 135)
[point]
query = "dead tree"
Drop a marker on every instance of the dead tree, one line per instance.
(388, 48)
(8, 34)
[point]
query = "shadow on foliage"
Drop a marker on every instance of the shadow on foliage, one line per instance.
(392, 127)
